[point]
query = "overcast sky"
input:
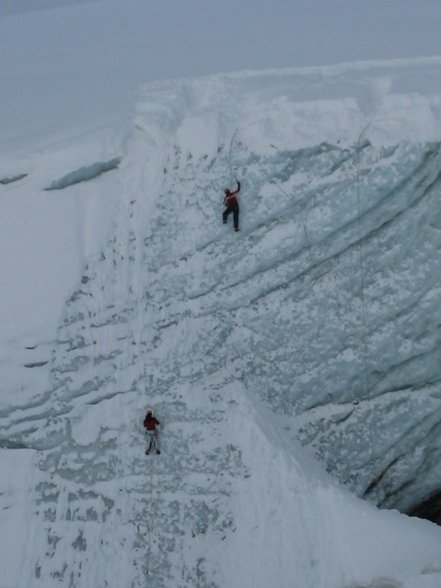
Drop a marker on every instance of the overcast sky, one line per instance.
(88, 57)
(202, 36)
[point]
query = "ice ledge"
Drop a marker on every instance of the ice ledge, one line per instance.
(11, 179)
(85, 174)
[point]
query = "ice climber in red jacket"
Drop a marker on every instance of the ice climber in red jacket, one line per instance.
(231, 205)
(150, 424)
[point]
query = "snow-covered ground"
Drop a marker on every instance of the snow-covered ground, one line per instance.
(311, 333)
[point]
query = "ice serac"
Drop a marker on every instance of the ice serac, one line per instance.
(315, 323)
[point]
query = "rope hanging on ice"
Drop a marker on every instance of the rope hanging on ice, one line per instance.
(150, 521)
(361, 265)
(272, 180)
(363, 338)
(230, 156)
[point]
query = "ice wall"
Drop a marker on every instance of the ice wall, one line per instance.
(316, 322)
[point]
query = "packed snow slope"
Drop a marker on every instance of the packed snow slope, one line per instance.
(314, 330)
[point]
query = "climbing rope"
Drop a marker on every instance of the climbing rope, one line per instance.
(362, 272)
(230, 155)
(280, 188)
(363, 305)
(150, 521)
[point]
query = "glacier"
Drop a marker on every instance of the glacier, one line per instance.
(294, 366)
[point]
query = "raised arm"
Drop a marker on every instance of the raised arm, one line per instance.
(237, 189)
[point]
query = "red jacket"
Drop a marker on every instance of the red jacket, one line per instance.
(150, 422)
(230, 197)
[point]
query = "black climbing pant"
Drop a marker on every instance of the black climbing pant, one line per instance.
(234, 208)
